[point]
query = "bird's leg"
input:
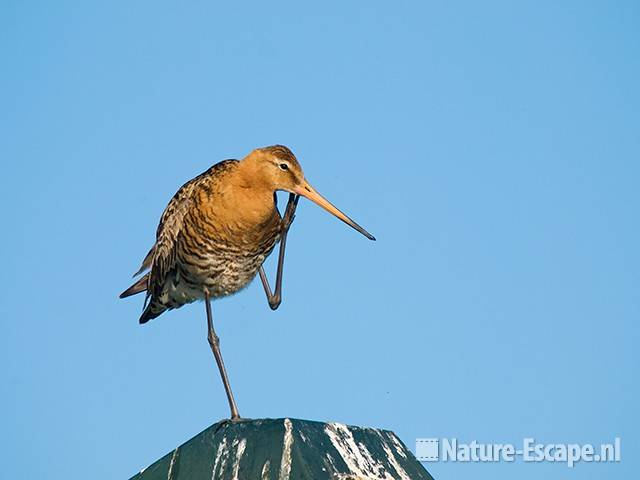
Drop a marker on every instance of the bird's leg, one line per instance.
(214, 342)
(289, 214)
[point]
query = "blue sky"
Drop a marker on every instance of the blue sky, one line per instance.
(493, 148)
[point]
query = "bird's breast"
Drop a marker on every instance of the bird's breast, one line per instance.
(223, 253)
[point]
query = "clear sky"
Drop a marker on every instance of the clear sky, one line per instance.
(493, 148)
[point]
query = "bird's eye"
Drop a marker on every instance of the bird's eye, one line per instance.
(284, 166)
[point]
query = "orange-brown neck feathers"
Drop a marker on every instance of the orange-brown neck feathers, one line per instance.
(254, 171)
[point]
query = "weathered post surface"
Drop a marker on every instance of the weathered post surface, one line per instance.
(288, 449)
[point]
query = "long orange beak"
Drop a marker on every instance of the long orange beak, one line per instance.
(309, 192)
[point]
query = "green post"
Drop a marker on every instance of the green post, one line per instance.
(288, 449)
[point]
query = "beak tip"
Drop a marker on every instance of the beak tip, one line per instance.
(307, 191)
(366, 234)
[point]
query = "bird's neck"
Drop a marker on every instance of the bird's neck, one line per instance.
(250, 175)
(246, 198)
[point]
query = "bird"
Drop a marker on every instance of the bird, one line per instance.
(216, 232)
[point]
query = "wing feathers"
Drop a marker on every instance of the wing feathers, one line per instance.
(138, 287)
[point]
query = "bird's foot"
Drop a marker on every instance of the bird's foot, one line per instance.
(228, 421)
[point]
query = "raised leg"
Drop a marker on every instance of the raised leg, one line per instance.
(214, 342)
(275, 298)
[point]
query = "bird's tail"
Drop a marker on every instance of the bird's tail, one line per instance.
(153, 310)
(138, 287)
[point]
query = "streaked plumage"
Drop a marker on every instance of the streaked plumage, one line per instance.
(213, 236)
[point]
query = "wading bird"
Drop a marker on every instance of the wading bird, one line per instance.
(216, 232)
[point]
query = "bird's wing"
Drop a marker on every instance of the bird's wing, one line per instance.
(171, 227)
(171, 224)
(147, 262)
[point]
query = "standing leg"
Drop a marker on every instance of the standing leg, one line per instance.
(275, 298)
(214, 342)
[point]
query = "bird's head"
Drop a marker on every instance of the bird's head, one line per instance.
(277, 168)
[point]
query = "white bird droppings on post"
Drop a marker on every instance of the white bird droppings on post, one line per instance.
(173, 461)
(392, 460)
(265, 470)
(222, 449)
(358, 458)
(239, 452)
(285, 462)
(397, 444)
